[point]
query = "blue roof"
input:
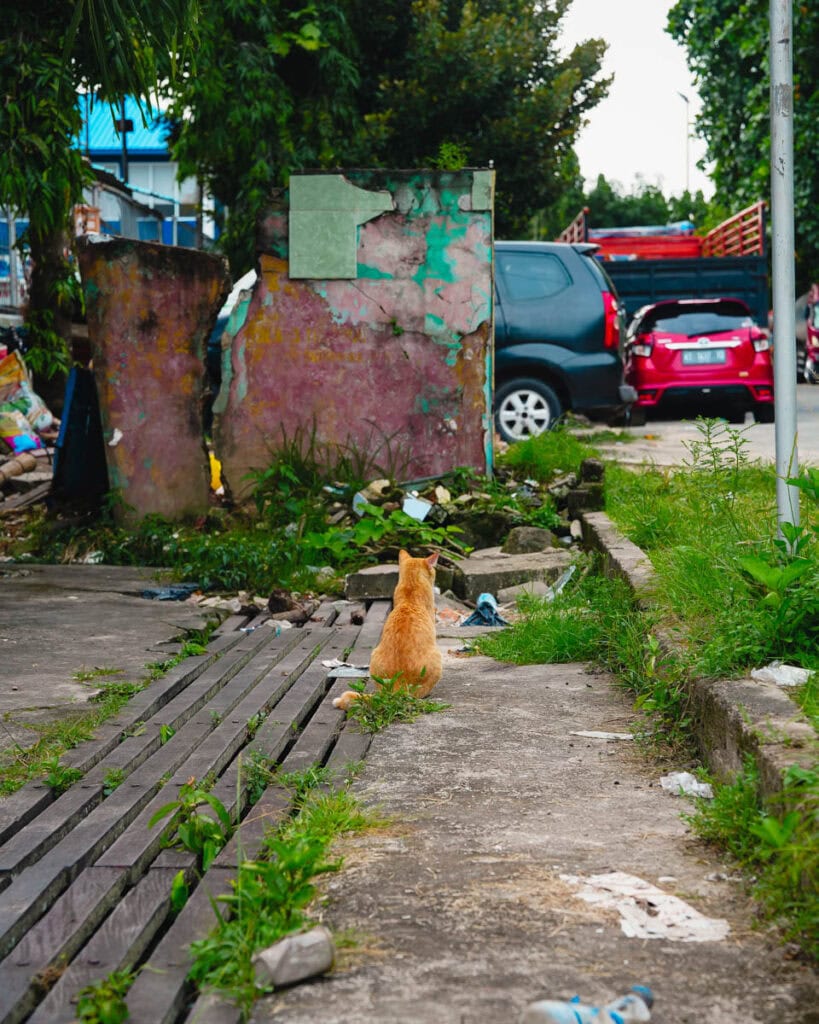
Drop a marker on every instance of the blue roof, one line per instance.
(100, 138)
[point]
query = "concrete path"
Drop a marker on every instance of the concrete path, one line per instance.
(462, 908)
(57, 621)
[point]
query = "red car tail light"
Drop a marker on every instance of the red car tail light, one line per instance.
(761, 342)
(641, 349)
(611, 316)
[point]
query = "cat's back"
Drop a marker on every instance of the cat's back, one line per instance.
(408, 644)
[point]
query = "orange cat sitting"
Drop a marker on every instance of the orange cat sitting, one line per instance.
(407, 648)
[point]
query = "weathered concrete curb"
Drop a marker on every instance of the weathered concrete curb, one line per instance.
(732, 717)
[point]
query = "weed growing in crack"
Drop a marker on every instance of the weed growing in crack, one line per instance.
(59, 777)
(104, 1001)
(778, 844)
(114, 777)
(197, 831)
(272, 895)
(389, 702)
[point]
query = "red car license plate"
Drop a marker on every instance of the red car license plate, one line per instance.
(702, 356)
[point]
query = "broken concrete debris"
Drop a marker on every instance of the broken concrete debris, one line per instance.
(295, 958)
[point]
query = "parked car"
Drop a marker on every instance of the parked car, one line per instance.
(691, 356)
(559, 331)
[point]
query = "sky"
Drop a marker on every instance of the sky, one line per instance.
(639, 131)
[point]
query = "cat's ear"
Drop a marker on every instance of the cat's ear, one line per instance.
(403, 556)
(432, 560)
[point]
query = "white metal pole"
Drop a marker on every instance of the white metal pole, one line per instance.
(782, 257)
(14, 280)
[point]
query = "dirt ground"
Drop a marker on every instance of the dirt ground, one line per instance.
(460, 909)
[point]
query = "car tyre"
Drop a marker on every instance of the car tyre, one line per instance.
(524, 408)
(764, 413)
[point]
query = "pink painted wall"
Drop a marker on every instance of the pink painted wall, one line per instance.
(150, 309)
(395, 361)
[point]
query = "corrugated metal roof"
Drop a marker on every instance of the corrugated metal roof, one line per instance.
(99, 137)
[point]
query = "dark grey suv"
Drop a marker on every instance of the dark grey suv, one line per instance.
(558, 337)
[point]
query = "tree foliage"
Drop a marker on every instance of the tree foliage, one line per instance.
(48, 52)
(728, 48)
(271, 91)
(488, 76)
(281, 87)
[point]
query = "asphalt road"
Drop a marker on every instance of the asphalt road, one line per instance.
(663, 442)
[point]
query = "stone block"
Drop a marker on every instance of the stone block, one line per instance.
(526, 539)
(490, 570)
(375, 583)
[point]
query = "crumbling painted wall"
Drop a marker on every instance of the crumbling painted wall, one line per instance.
(378, 331)
(150, 310)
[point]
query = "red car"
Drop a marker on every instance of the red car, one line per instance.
(700, 356)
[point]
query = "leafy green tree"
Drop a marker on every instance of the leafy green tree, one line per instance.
(48, 52)
(609, 206)
(283, 87)
(272, 93)
(486, 76)
(728, 50)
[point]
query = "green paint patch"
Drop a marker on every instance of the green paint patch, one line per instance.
(238, 317)
(366, 270)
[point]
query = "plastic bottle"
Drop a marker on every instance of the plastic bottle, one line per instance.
(632, 1008)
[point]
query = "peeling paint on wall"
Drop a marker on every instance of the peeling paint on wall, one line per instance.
(150, 309)
(394, 360)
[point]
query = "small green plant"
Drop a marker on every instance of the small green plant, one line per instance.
(390, 702)
(113, 777)
(272, 895)
(119, 691)
(165, 733)
(450, 157)
(196, 830)
(258, 773)
(179, 892)
(778, 844)
(268, 901)
(254, 723)
(104, 1001)
(215, 718)
(86, 675)
(59, 777)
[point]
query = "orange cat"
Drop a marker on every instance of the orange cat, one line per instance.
(407, 647)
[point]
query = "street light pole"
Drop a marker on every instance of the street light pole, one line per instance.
(684, 98)
(782, 260)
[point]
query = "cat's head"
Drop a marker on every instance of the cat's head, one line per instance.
(406, 562)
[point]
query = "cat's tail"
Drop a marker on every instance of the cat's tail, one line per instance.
(347, 698)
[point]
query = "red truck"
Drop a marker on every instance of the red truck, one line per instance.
(650, 264)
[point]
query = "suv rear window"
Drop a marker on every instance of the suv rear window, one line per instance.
(529, 275)
(599, 273)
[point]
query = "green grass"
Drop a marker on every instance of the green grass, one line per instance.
(389, 702)
(776, 845)
(274, 894)
(552, 454)
(742, 597)
(20, 762)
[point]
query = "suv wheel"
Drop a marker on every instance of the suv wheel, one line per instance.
(525, 408)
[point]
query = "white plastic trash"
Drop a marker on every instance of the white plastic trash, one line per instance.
(686, 784)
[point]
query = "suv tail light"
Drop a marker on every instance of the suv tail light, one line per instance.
(760, 341)
(641, 349)
(611, 317)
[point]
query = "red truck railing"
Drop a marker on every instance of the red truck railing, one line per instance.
(741, 235)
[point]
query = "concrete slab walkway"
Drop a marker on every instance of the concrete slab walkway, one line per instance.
(464, 909)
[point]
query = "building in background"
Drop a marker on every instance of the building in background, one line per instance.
(135, 192)
(140, 158)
